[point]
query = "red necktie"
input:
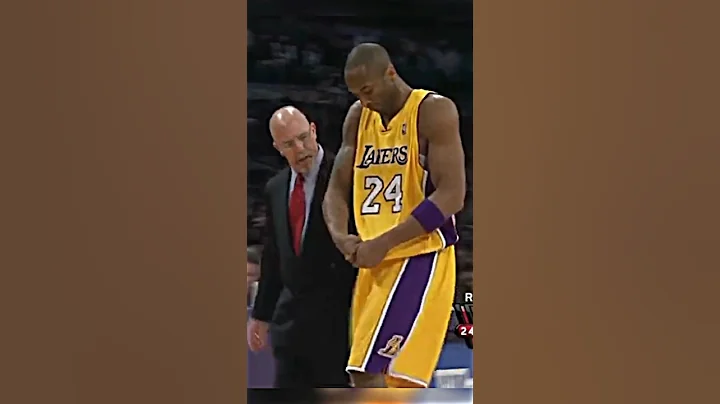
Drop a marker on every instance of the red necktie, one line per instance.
(297, 212)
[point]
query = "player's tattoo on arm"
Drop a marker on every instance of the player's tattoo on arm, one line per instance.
(438, 123)
(337, 197)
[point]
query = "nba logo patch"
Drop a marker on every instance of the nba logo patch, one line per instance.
(404, 128)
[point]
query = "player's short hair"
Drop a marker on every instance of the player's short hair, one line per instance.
(254, 254)
(371, 55)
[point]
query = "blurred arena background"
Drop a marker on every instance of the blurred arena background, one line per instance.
(296, 52)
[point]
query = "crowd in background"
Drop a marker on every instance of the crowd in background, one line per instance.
(299, 61)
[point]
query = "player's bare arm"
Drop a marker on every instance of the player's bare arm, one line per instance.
(336, 202)
(438, 124)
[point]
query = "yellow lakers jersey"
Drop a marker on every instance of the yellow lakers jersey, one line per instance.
(389, 180)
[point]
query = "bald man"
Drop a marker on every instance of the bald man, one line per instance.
(305, 288)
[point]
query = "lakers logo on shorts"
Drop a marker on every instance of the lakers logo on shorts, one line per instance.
(392, 347)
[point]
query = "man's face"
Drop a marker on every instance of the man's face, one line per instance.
(297, 142)
(373, 90)
(253, 273)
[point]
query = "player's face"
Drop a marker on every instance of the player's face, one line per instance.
(372, 90)
(298, 144)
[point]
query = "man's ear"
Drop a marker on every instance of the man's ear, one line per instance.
(391, 72)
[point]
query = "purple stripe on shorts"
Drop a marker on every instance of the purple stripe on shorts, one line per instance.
(403, 309)
(448, 229)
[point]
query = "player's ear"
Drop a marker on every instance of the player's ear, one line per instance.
(277, 148)
(391, 72)
(313, 130)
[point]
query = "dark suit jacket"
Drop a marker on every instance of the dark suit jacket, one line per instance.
(306, 298)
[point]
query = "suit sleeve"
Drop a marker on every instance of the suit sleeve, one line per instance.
(270, 284)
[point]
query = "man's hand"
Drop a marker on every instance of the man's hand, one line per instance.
(370, 253)
(257, 334)
(347, 244)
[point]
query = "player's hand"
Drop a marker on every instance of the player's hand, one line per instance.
(371, 253)
(347, 244)
(257, 334)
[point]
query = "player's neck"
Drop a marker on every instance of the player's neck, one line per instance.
(404, 92)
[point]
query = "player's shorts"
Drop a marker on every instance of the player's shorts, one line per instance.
(400, 316)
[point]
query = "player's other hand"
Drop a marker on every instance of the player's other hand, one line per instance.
(347, 244)
(257, 334)
(370, 253)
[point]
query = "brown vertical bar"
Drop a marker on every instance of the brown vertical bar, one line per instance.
(597, 190)
(123, 175)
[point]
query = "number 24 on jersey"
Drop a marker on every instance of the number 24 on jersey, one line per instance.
(391, 192)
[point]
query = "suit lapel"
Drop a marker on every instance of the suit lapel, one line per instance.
(315, 218)
(281, 211)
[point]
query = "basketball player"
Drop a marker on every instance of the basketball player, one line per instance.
(402, 161)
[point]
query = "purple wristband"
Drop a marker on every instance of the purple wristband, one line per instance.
(429, 215)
